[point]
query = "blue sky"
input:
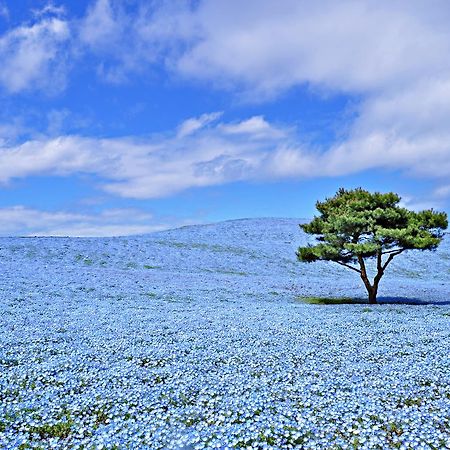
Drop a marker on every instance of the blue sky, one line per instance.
(127, 116)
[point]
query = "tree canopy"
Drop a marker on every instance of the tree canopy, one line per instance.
(356, 224)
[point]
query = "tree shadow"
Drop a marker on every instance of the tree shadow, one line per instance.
(382, 300)
(410, 301)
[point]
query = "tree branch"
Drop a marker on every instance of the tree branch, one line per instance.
(362, 265)
(391, 251)
(348, 265)
(391, 257)
(380, 270)
(364, 275)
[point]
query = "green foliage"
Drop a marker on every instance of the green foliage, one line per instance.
(59, 430)
(356, 224)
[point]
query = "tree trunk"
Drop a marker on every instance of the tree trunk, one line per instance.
(372, 289)
(373, 296)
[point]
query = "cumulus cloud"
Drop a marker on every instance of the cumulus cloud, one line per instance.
(23, 221)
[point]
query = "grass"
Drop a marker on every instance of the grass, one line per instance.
(59, 430)
(331, 300)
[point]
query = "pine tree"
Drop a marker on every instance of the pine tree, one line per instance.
(356, 225)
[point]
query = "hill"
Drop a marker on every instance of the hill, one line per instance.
(246, 257)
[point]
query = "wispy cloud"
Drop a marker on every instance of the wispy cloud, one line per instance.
(51, 10)
(442, 192)
(123, 41)
(23, 221)
(193, 124)
(346, 46)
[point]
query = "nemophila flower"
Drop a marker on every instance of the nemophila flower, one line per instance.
(194, 354)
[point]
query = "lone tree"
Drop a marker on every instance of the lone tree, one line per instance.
(356, 225)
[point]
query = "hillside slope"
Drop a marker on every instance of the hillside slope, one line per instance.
(247, 257)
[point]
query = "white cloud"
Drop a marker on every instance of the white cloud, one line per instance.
(193, 124)
(101, 28)
(33, 56)
(120, 40)
(256, 126)
(51, 10)
(196, 156)
(11, 131)
(421, 202)
(160, 166)
(348, 45)
(23, 221)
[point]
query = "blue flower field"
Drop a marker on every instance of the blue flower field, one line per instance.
(198, 338)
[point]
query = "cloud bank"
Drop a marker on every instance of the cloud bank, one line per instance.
(205, 151)
(199, 153)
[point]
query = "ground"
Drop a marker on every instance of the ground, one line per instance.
(199, 338)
